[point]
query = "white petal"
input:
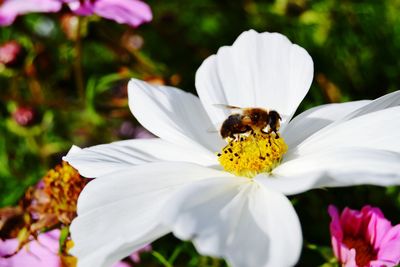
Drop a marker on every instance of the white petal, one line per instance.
(117, 249)
(357, 116)
(376, 130)
(100, 160)
(314, 119)
(258, 70)
(293, 184)
(237, 219)
(120, 212)
(173, 115)
(335, 167)
(276, 216)
(384, 102)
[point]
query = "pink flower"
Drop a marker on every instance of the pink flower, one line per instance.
(11, 53)
(44, 252)
(24, 116)
(364, 238)
(131, 12)
(10, 9)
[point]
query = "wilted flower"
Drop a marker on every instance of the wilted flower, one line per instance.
(10, 9)
(51, 202)
(364, 238)
(48, 205)
(11, 220)
(232, 205)
(57, 195)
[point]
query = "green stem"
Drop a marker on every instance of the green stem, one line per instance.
(79, 81)
(161, 259)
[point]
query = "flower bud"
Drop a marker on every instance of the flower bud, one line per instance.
(11, 54)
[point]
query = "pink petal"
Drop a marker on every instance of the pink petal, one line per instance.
(390, 246)
(10, 9)
(377, 227)
(349, 259)
(121, 264)
(8, 247)
(336, 231)
(131, 12)
(341, 251)
(135, 257)
(352, 222)
(83, 9)
(381, 263)
(43, 252)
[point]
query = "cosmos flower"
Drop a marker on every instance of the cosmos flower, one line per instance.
(45, 252)
(131, 12)
(228, 196)
(364, 238)
(37, 253)
(10, 9)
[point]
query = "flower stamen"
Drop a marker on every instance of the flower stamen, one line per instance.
(365, 253)
(253, 153)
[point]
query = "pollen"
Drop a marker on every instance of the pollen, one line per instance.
(63, 185)
(251, 154)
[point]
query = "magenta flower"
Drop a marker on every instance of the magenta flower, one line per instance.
(10, 9)
(364, 238)
(131, 12)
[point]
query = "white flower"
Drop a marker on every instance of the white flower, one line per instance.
(148, 188)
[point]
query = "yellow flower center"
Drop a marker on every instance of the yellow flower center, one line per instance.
(249, 155)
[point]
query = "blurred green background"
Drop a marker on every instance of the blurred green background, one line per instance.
(44, 108)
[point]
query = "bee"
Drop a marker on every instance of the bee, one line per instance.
(250, 120)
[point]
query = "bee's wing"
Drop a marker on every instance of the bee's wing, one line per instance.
(223, 106)
(215, 128)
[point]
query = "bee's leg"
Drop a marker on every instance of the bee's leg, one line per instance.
(259, 151)
(251, 130)
(275, 131)
(264, 132)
